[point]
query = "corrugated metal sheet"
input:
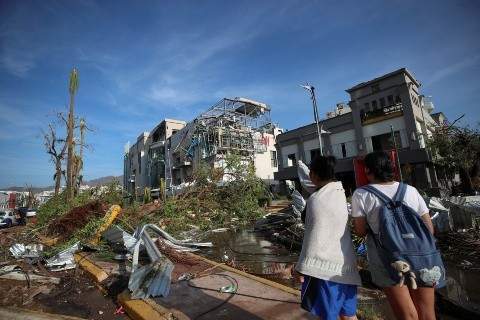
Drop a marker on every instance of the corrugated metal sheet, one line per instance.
(19, 250)
(64, 260)
(117, 235)
(152, 280)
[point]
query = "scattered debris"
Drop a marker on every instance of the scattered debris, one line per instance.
(154, 278)
(30, 253)
(162, 233)
(186, 276)
(15, 272)
(117, 236)
(64, 260)
(304, 177)
(298, 204)
(228, 289)
(39, 290)
(461, 246)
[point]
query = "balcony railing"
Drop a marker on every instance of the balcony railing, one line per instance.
(384, 113)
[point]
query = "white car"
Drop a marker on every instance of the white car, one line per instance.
(31, 213)
(7, 218)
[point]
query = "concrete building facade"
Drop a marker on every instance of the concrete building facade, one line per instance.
(376, 107)
(144, 161)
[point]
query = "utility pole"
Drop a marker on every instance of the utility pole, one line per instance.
(311, 90)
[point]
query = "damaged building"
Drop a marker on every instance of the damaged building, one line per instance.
(390, 102)
(172, 151)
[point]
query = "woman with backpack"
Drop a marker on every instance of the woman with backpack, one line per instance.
(401, 251)
(327, 261)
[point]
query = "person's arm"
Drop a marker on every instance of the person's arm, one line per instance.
(358, 215)
(428, 222)
(424, 212)
(360, 226)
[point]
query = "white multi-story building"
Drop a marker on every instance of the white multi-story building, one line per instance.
(376, 107)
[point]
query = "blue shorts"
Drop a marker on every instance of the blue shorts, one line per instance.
(328, 299)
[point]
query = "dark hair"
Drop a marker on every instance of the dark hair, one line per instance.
(378, 163)
(324, 167)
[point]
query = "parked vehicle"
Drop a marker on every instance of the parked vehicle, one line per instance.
(7, 219)
(31, 213)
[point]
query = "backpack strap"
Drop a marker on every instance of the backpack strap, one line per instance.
(384, 198)
(402, 188)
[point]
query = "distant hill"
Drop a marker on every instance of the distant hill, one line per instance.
(104, 180)
(93, 183)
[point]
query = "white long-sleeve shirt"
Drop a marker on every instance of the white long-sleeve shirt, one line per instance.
(327, 249)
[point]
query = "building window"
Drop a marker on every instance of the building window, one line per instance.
(139, 158)
(375, 88)
(314, 153)
(273, 159)
(398, 99)
(344, 150)
(367, 106)
(292, 160)
(382, 102)
(384, 142)
(390, 100)
(374, 105)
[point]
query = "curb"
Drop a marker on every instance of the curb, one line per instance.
(95, 272)
(141, 309)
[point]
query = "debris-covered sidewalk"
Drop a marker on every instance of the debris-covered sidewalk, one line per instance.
(29, 284)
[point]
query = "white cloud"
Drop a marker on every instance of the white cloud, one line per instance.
(452, 69)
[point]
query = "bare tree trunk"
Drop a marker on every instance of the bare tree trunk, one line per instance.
(73, 85)
(58, 175)
(70, 151)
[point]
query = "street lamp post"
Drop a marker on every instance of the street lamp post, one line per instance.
(311, 90)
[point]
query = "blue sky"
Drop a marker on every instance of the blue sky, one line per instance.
(142, 61)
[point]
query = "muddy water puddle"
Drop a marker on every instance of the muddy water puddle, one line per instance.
(253, 252)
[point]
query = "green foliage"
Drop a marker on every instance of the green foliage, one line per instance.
(211, 202)
(111, 193)
(455, 147)
(58, 205)
(54, 207)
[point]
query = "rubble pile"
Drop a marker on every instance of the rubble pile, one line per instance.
(66, 225)
(462, 248)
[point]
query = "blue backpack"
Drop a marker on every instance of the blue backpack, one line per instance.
(405, 245)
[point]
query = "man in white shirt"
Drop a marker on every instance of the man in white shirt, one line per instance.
(406, 303)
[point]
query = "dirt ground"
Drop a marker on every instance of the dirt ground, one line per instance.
(75, 295)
